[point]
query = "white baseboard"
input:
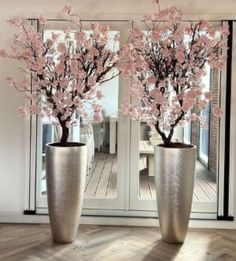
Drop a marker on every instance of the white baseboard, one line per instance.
(11, 217)
(153, 222)
(19, 217)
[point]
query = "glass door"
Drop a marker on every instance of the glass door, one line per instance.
(108, 153)
(206, 140)
(121, 151)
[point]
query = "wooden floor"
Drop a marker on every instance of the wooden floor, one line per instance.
(99, 243)
(101, 183)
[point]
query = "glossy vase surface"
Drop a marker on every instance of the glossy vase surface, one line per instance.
(65, 174)
(174, 177)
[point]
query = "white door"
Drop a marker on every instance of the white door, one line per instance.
(108, 142)
(143, 139)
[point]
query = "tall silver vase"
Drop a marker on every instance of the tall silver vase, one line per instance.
(66, 174)
(174, 178)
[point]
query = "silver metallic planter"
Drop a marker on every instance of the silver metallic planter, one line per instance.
(174, 177)
(66, 174)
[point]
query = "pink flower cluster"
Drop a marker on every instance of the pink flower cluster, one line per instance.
(167, 62)
(61, 77)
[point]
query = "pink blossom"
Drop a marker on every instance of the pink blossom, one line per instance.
(94, 26)
(97, 107)
(74, 67)
(187, 105)
(155, 35)
(97, 116)
(208, 95)
(100, 69)
(203, 104)
(217, 112)
(125, 108)
(16, 21)
(92, 53)
(88, 43)
(155, 93)
(42, 20)
(3, 53)
(68, 124)
(126, 73)
(192, 94)
(60, 68)
(103, 29)
(22, 111)
(80, 87)
(50, 60)
(58, 97)
(54, 36)
(67, 9)
(147, 18)
(23, 85)
(62, 48)
(136, 33)
(80, 36)
(81, 74)
(151, 80)
(34, 109)
(11, 81)
(180, 56)
(193, 117)
(134, 114)
(64, 82)
(176, 109)
(225, 29)
(68, 102)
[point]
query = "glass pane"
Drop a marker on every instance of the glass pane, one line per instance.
(146, 156)
(101, 139)
(206, 141)
(204, 132)
(102, 169)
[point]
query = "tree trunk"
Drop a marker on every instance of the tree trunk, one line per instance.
(65, 135)
(167, 142)
(162, 134)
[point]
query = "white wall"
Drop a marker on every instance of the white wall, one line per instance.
(12, 128)
(11, 134)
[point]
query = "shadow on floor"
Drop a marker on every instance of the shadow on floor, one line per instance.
(163, 251)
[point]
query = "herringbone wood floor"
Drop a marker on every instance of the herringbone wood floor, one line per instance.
(33, 242)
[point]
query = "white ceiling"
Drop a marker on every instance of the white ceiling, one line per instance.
(219, 8)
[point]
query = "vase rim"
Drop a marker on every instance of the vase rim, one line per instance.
(68, 145)
(184, 146)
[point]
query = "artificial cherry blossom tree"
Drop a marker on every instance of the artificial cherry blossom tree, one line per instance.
(167, 60)
(61, 77)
